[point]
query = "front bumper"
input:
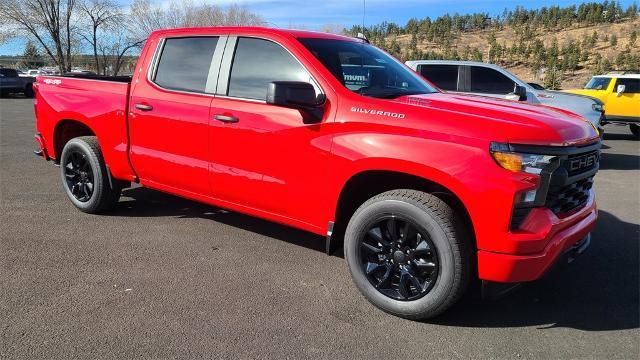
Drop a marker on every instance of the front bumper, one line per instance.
(559, 235)
(495, 290)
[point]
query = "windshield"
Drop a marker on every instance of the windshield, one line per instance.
(366, 70)
(598, 83)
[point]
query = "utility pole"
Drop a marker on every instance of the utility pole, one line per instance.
(364, 10)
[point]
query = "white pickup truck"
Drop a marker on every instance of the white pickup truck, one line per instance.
(492, 80)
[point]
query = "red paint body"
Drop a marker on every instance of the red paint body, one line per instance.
(272, 165)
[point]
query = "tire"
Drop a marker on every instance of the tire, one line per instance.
(28, 91)
(85, 176)
(436, 223)
(635, 130)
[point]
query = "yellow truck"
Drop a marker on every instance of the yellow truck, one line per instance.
(621, 97)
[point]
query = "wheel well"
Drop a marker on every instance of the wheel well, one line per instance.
(366, 185)
(67, 130)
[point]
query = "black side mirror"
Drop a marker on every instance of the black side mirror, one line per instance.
(520, 91)
(297, 95)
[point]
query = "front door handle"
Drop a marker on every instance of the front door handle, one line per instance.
(226, 118)
(144, 107)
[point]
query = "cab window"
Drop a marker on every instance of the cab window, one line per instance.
(488, 81)
(443, 76)
(177, 71)
(631, 86)
(257, 63)
(598, 83)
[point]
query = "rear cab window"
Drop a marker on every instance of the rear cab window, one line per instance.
(443, 76)
(184, 63)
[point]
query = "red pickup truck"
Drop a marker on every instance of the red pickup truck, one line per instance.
(329, 134)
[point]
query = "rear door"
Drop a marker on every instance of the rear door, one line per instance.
(169, 114)
(444, 76)
(627, 104)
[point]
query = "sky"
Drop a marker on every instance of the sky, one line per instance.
(313, 14)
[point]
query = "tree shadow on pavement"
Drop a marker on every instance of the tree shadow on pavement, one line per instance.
(597, 292)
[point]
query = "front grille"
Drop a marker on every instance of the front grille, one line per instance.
(565, 183)
(565, 198)
(581, 163)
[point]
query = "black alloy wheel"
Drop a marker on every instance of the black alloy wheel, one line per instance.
(79, 176)
(399, 258)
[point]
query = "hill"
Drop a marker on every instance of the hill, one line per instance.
(601, 48)
(557, 47)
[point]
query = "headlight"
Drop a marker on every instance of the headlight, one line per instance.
(519, 162)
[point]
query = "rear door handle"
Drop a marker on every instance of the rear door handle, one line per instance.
(226, 118)
(144, 107)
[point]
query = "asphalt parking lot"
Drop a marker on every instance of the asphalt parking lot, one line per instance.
(163, 277)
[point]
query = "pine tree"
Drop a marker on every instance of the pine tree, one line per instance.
(31, 57)
(613, 41)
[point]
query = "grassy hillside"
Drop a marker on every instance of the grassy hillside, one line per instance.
(559, 47)
(601, 49)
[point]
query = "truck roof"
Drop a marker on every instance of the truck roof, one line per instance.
(254, 29)
(619, 76)
(453, 62)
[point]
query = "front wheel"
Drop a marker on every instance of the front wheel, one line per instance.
(408, 253)
(84, 176)
(635, 130)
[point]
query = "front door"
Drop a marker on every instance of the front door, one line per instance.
(170, 116)
(490, 82)
(264, 156)
(624, 105)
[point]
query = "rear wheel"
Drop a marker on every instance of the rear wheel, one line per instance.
(84, 176)
(635, 130)
(408, 253)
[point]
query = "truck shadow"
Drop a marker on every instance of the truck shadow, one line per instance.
(609, 161)
(598, 292)
(151, 203)
(619, 136)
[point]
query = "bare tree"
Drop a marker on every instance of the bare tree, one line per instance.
(146, 17)
(98, 14)
(114, 52)
(334, 29)
(49, 22)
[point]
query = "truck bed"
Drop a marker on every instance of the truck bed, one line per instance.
(98, 102)
(119, 78)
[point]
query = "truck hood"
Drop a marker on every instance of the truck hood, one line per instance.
(583, 92)
(517, 122)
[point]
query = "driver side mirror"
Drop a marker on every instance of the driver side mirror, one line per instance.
(297, 95)
(519, 93)
(620, 89)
